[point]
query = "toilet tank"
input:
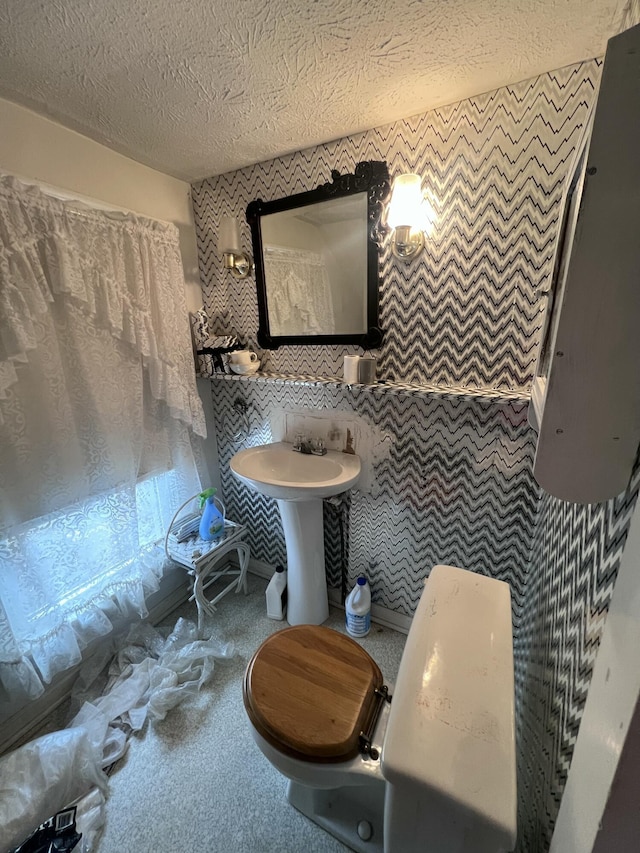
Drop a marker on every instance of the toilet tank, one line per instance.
(449, 753)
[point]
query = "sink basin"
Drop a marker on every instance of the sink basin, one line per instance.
(299, 482)
(279, 472)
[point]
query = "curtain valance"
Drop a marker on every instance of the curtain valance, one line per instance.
(124, 272)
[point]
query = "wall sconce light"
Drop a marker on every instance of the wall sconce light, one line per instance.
(235, 260)
(408, 216)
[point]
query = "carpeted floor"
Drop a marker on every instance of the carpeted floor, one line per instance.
(196, 781)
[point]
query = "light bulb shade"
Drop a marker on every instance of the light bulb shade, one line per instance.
(406, 205)
(229, 236)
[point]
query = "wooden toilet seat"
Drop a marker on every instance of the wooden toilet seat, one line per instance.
(310, 691)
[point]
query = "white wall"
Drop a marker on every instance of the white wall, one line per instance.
(37, 148)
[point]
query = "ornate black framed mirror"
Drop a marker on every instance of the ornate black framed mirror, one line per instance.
(317, 256)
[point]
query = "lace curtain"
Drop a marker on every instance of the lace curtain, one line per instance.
(299, 292)
(97, 406)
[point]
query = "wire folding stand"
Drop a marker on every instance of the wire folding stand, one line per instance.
(204, 561)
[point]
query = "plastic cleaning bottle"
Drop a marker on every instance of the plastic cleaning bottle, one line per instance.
(277, 594)
(212, 521)
(358, 609)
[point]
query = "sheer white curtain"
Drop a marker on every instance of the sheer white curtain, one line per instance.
(97, 408)
(298, 293)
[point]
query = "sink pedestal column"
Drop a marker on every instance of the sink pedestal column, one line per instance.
(307, 600)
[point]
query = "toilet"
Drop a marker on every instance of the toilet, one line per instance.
(427, 766)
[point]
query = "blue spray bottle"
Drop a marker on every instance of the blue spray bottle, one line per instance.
(212, 521)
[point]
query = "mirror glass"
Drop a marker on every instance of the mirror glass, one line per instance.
(317, 261)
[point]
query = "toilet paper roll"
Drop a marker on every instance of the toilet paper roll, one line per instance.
(351, 368)
(367, 369)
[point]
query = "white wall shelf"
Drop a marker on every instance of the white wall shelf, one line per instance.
(445, 392)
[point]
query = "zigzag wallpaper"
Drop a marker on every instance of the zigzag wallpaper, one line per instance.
(574, 564)
(461, 336)
(469, 312)
(455, 488)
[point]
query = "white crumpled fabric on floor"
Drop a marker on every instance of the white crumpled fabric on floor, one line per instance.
(146, 677)
(141, 676)
(42, 777)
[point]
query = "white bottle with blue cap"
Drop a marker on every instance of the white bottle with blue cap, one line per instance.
(358, 609)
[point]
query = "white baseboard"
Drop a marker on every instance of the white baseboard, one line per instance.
(380, 615)
(27, 718)
(260, 568)
(18, 721)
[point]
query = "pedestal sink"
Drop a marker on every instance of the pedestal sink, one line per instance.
(299, 482)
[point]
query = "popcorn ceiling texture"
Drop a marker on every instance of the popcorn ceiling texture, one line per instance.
(195, 88)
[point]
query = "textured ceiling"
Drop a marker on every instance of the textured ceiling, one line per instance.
(200, 87)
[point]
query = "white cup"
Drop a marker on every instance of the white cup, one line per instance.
(351, 368)
(243, 356)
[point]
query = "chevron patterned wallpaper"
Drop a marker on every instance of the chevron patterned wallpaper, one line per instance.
(574, 564)
(461, 335)
(456, 487)
(469, 313)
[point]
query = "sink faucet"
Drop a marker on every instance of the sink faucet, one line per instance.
(306, 444)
